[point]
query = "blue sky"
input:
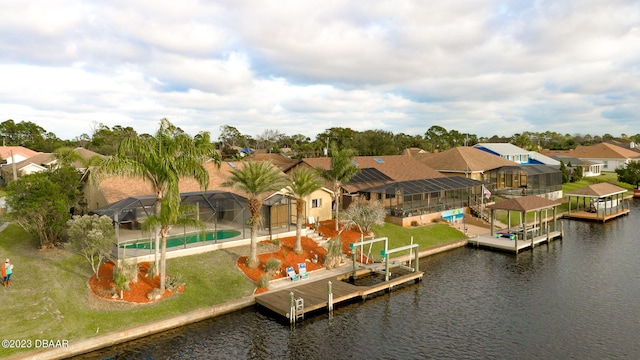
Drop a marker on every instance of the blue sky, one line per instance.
(482, 67)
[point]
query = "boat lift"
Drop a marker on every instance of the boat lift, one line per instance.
(385, 253)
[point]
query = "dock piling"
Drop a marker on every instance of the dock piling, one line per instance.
(329, 297)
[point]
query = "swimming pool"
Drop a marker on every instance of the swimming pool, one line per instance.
(181, 240)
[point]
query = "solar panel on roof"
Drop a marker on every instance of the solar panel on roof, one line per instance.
(425, 185)
(369, 175)
(232, 164)
(378, 160)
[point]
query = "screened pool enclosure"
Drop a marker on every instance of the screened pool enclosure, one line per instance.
(224, 216)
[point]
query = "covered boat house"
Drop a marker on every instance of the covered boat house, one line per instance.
(599, 202)
(536, 223)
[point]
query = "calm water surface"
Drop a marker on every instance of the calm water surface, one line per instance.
(575, 298)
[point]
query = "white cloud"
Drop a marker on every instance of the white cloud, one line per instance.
(483, 67)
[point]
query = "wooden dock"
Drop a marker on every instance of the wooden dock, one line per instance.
(315, 294)
(593, 216)
(505, 244)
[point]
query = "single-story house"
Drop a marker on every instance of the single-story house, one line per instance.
(610, 156)
(410, 191)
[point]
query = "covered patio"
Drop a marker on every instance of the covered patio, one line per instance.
(599, 202)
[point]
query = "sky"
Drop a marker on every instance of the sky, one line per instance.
(482, 67)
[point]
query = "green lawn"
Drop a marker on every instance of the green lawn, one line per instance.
(425, 236)
(49, 294)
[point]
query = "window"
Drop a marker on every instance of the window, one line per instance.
(316, 203)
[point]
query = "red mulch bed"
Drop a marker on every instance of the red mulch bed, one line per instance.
(288, 258)
(137, 292)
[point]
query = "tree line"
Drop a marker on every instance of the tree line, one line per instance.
(105, 140)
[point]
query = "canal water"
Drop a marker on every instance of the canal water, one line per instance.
(575, 298)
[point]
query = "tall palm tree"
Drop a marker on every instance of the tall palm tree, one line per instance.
(303, 183)
(161, 160)
(255, 179)
(341, 171)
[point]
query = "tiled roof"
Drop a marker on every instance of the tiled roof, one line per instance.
(502, 148)
(6, 151)
(575, 161)
(41, 159)
(464, 158)
(524, 204)
(87, 154)
(118, 188)
(394, 167)
(597, 190)
(45, 159)
(603, 151)
(630, 145)
(283, 162)
(397, 167)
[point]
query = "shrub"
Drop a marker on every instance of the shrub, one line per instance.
(272, 266)
(264, 281)
(172, 282)
(154, 294)
(129, 269)
(334, 253)
(121, 281)
(151, 271)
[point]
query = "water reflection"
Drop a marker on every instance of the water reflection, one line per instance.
(575, 298)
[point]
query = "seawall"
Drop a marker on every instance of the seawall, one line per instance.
(78, 347)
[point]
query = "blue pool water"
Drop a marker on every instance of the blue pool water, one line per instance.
(185, 239)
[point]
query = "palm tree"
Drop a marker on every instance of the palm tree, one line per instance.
(66, 156)
(303, 183)
(342, 170)
(161, 160)
(255, 179)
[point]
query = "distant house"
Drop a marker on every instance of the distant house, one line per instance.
(14, 154)
(42, 161)
(504, 177)
(283, 162)
(517, 154)
(610, 156)
(631, 145)
(415, 151)
(590, 168)
(464, 161)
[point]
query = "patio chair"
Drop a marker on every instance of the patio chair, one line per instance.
(302, 271)
(291, 274)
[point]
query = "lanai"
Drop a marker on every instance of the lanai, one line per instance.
(605, 201)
